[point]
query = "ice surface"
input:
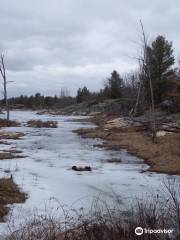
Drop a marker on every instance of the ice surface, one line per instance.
(46, 174)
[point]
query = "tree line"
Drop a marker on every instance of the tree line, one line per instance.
(157, 64)
(157, 74)
(39, 101)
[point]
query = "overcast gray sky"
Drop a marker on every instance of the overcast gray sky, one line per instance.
(51, 44)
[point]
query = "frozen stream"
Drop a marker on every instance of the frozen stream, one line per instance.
(46, 174)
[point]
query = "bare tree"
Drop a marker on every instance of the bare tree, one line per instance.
(134, 111)
(64, 92)
(3, 73)
(147, 74)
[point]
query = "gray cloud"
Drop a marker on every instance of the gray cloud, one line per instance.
(53, 44)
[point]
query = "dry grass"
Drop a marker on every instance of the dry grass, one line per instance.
(105, 222)
(41, 124)
(11, 135)
(10, 154)
(8, 123)
(162, 157)
(9, 194)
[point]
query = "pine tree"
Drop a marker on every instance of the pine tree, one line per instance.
(114, 85)
(82, 94)
(160, 61)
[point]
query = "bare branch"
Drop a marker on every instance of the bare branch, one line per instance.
(3, 73)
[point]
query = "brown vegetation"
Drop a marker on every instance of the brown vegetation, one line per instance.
(10, 154)
(50, 111)
(105, 222)
(8, 123)
(162, 157)
(41, 124)
(9, 194)
(11, 135)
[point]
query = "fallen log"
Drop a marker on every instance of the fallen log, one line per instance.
(80, 169)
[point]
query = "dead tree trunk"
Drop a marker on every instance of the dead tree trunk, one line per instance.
(147, 74)
(138, 93)
(3, 73)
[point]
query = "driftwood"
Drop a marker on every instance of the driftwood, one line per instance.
(144, 125)
(80, 169)
(172, 127)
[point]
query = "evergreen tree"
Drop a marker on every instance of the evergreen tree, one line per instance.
(114, 85)
(82, 94)
(160, 60)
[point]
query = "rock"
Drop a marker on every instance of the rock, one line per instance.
(161, 133)
(86, 168)
(170, 106)
(117, 123)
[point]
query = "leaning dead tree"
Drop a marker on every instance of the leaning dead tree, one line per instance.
(145, 75)
(3, 74)
(134, 110)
